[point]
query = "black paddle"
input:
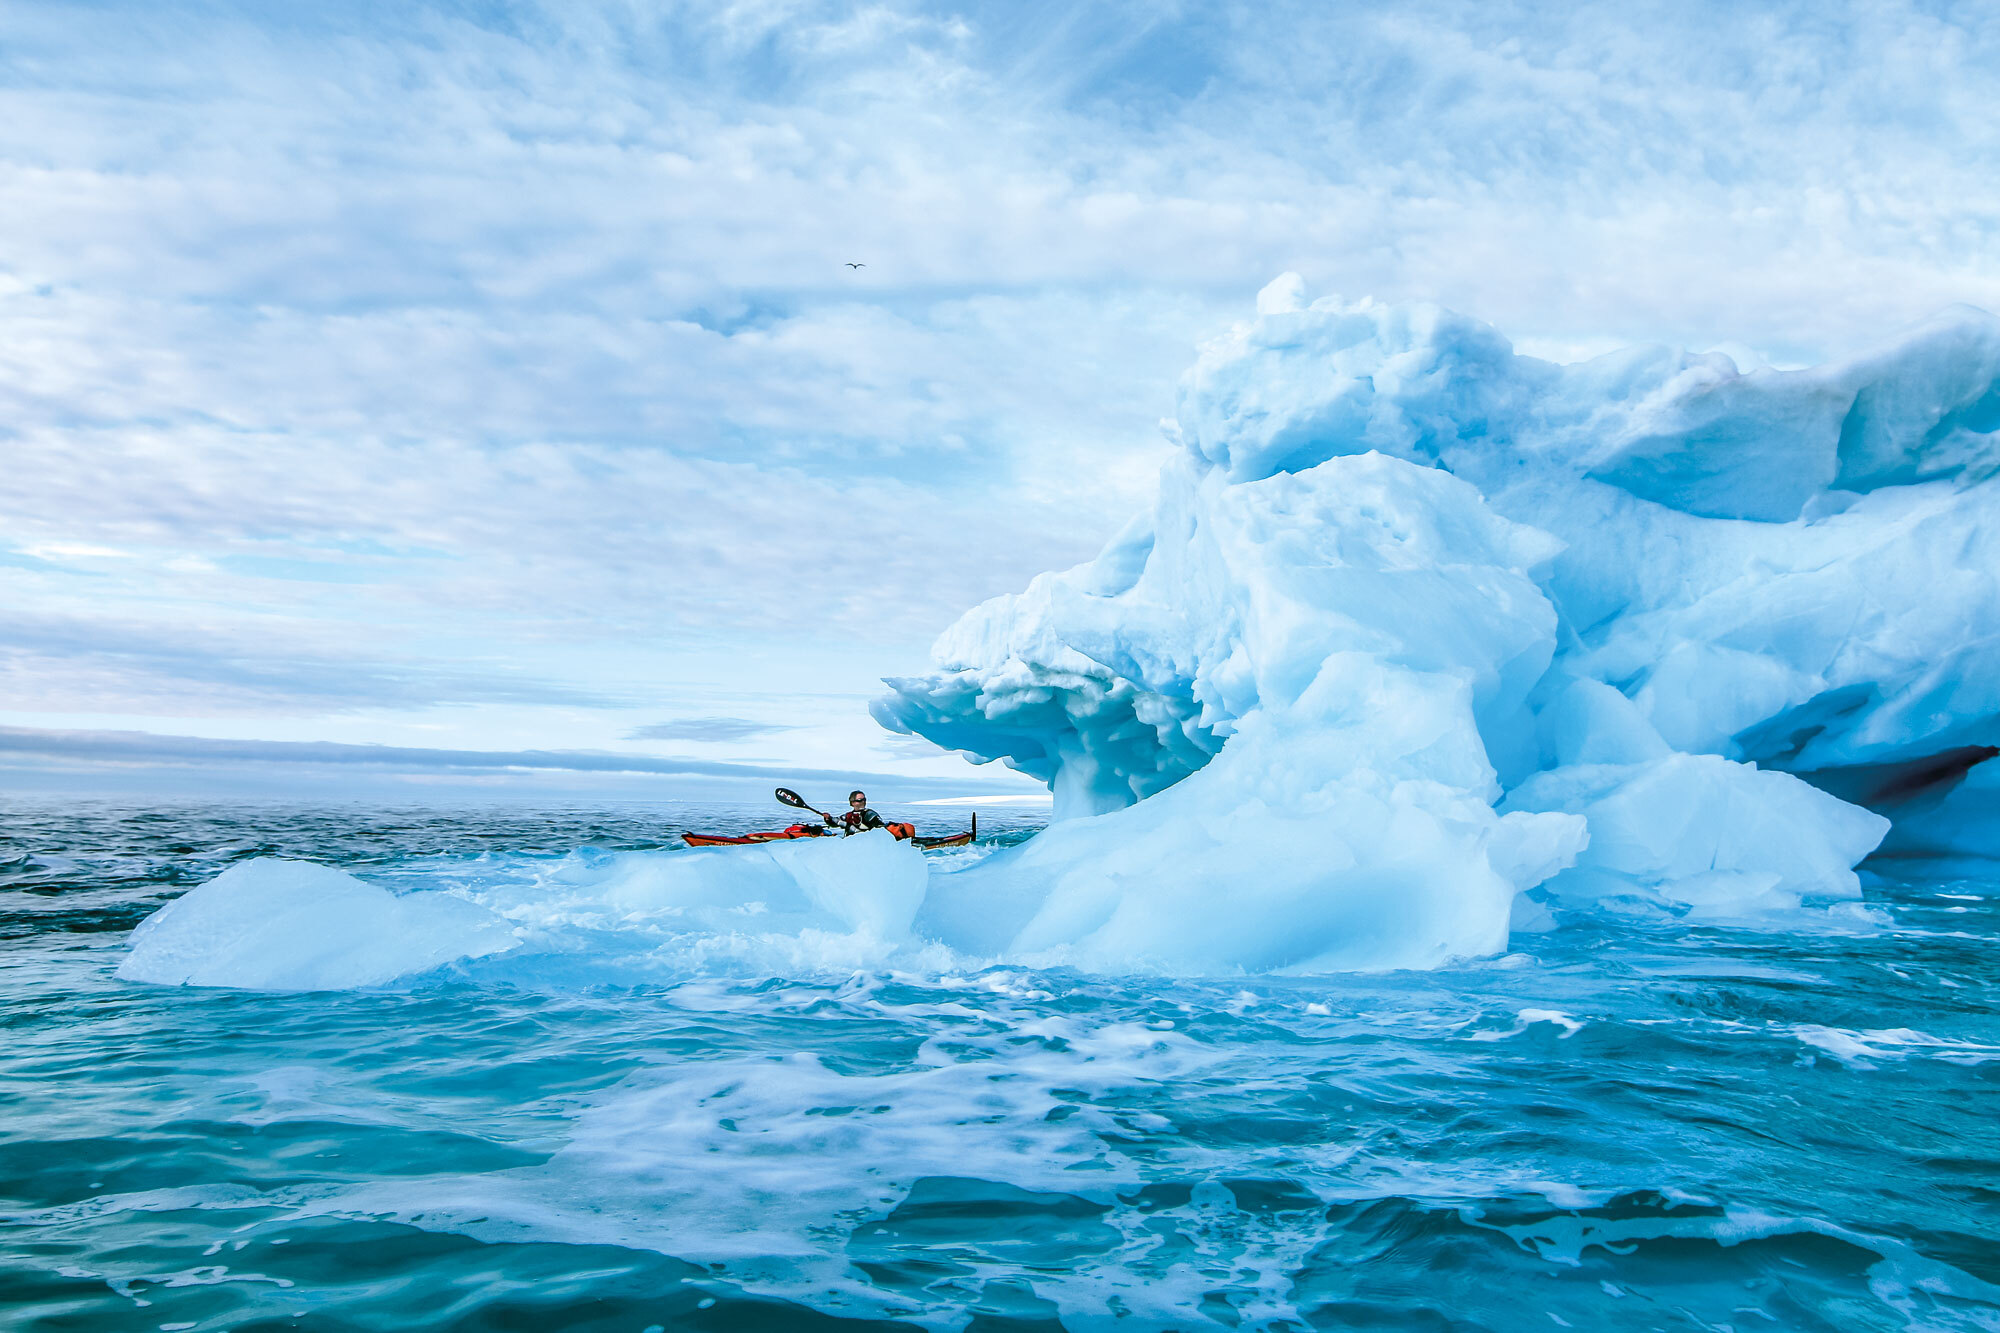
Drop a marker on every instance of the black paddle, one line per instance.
(792, 798)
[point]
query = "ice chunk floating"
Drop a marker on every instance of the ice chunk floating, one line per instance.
(1418, 625)
(798, 908)
(270, 924)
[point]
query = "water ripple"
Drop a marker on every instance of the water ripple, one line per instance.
(1620, 1125)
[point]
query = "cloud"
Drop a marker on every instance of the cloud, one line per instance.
(597, 175)
(112, 664)
(485, 551)
(128, 749)
(432, 353)
(707, 729)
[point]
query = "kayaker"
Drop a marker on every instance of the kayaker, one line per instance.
(858, 817)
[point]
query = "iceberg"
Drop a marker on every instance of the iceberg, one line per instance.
(815, 905)
(1273, 612)
(274, 924)
(1418, 625)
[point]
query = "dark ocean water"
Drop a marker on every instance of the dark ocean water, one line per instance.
(1622, 1124)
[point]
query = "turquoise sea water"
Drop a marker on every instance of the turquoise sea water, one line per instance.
(1620, 1125)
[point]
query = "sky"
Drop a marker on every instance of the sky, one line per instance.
(493, 377)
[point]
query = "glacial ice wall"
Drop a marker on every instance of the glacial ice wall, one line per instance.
(1403, 589)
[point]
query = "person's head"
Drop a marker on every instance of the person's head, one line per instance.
(858, 799)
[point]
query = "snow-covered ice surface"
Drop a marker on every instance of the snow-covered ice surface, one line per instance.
(1421, 632)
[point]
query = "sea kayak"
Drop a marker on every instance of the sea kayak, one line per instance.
(902, 831)
(723, 840)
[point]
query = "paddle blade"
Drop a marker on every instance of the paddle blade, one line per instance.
(790, 797)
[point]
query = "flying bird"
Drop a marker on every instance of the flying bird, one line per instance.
(851, 264)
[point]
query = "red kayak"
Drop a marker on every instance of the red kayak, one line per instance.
(723, 840)
(901, 831)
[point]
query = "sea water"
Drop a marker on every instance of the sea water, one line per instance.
(1621, 1123)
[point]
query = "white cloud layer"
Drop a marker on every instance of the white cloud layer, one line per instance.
(395, 357)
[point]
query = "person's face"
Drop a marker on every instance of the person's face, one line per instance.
(858, 802)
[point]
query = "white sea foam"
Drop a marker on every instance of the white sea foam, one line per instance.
(765, 1166)
(1867, 1048)
(1529, 1018)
